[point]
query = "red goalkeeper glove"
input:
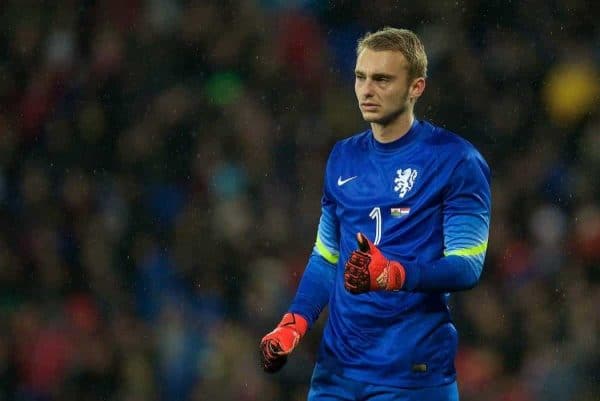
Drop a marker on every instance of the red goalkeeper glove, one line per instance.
(277, 345)
(368, 270)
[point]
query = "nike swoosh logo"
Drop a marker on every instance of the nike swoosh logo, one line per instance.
(342, 182)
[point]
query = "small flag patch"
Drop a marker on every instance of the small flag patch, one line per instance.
(399, 211)
(419, 367)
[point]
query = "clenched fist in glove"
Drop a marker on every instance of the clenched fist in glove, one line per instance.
(368, 270)
(277, 345)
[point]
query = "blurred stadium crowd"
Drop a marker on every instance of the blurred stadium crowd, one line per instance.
(161, 165)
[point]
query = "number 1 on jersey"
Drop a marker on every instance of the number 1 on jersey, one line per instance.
(376, 214)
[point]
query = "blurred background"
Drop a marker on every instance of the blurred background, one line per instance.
(161, 165)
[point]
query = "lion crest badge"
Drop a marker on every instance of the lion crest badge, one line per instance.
(405, 181)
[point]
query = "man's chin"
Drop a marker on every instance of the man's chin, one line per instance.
(374, 119)
(378, 118)
(371, 117)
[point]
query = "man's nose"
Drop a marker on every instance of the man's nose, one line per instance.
(367, 89)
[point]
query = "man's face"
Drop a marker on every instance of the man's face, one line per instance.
(381, 85)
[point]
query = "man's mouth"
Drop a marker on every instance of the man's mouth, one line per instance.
(369, 106)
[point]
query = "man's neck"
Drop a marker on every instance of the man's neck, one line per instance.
(395, 129)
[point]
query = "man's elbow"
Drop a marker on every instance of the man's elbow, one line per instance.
(472, 277)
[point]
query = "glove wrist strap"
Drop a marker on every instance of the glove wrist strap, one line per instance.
(294, 321)
(396, 276)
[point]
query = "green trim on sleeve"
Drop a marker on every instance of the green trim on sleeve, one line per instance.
(326, 253)
(473, 251)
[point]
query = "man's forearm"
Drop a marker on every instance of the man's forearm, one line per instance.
(314, 288)
(447, 274)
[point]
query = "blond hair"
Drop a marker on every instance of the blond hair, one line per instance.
(402, 40)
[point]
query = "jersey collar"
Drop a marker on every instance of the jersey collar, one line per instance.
(401, 142)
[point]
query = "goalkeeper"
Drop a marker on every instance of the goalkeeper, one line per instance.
(404, 222)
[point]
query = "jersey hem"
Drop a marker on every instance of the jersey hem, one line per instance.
(431, 380)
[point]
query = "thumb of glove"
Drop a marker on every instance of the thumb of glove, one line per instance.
(364, 244)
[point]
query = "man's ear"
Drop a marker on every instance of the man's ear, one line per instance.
(417, 87)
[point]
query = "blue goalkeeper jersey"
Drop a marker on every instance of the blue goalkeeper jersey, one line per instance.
(424, 199)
